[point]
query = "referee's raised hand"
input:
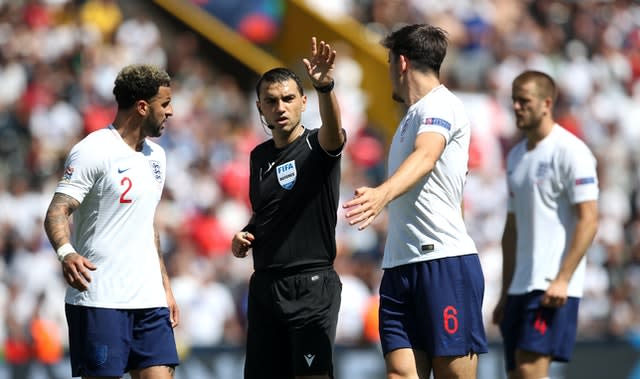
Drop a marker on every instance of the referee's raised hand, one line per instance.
(321, 63)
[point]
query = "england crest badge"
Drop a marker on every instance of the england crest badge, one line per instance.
(287, 174)
(156, 170)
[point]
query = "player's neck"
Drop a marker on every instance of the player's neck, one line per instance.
(419, 86)
(130, 132)
(536, 135)
(281, 140)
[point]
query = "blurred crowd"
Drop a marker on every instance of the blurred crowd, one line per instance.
(58, 60)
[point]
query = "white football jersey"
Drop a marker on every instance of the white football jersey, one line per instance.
(544, 185)
(426, 222)
(118, 190)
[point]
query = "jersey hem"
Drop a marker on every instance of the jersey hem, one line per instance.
(424, 258)
(118, 305)
(532, 289)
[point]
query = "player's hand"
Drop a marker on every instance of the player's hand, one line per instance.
(498, 311)
(241, 244)
(556, 295)
(321, 63)
(75, 269)
(174, 311)
(366, 204)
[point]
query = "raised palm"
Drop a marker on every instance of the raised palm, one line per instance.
(321, 63)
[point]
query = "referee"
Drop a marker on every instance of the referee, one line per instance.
(294, 293)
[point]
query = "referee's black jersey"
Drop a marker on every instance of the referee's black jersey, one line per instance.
(294, 193)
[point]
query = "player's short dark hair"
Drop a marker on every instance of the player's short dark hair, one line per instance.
(545, 85)
(279, 75)
(424, 45)
(138, 82)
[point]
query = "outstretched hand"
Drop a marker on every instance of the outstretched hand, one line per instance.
(321, 63)
(174, 311)
(366, 205)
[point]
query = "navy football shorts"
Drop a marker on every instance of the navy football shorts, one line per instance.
(433, 306)
(528, 326)
(110, 342)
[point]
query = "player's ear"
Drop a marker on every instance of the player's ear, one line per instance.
(142, 106)
(548, 102)
(403, 62)
(263, 119)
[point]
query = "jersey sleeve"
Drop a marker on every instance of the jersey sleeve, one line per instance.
(438, 116)
(313, 139)
(162, 155)
(82, 169)
(337, 152)
(580, 173)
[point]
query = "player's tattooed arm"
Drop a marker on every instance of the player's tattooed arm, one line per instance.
(56, 222)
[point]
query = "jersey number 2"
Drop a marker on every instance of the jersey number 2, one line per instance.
(127, 183)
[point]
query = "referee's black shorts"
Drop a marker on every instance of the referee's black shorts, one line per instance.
(292, 324)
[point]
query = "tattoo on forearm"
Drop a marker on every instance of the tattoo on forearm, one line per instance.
(56, 222)
(163, 270)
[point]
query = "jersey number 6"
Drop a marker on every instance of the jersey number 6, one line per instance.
(450, 319)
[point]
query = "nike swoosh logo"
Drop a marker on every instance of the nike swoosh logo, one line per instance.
(121, 170)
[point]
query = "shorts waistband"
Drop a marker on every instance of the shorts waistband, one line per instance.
(295, 270)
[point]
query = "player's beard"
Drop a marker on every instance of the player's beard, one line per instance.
(153, 127)
(397, 98)
(529, 122)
